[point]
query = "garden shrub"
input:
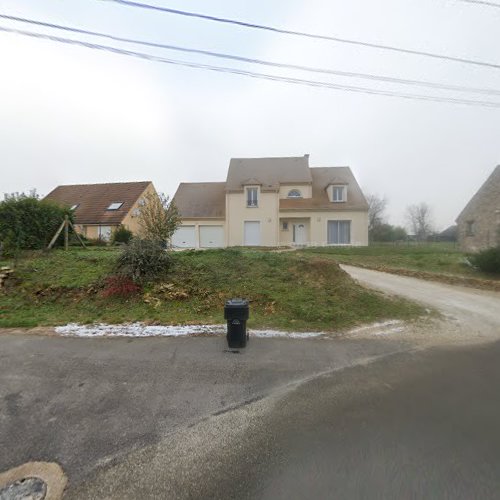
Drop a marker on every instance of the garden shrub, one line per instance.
(487, 261)
(120, 286)
(28, 223)
(143, 260)
(121, 235)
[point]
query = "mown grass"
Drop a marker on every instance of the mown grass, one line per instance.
(438, 258)
(286, 290)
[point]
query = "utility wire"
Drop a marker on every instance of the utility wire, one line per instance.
(263, 76)
(482, 2)
(130, 3)
(367, 76)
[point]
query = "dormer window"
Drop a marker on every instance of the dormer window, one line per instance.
(74, 207)
(252, 200)
(116, 205)
(338, 194)
(294, 193)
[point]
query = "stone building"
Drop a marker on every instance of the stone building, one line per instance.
(479, 221)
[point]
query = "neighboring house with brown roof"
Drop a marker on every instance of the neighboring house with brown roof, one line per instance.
(100, 208)
(479, 222)
(273, 202)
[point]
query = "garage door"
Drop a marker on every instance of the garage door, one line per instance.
(211, 236)
(184, 237)
(252, 233)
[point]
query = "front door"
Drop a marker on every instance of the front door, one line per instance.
(299, 234)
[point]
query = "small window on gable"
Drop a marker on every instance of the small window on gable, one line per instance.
(294, 193)
(469, 228)
(338, 193)
(75, 206)
(115, 205)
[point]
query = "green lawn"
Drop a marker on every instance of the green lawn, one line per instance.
(432, 258)
(287, 290)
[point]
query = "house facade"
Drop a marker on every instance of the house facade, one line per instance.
(479, 222)
(273, 202)
(100, 208)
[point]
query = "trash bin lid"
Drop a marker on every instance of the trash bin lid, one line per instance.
(236, 303)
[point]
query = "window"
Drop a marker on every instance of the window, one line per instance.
(338, 193)
(252, 197)
(285, 226)
(339, 232)
(115, 205)
(74, 207)
(294, 193)
(469, 228)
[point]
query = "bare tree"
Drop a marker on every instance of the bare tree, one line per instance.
(420, 220)
(376, 209)
(158, 217)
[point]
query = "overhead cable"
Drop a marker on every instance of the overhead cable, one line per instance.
(263, 76)
(482, 2)
(283, 31)
(348, 74)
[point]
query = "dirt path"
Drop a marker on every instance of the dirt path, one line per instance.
(472, 312)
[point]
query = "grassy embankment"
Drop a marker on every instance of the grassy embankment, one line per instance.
(434, 261)
(286, 290)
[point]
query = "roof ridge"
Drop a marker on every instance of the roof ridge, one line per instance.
(104, 183)
(270, 157)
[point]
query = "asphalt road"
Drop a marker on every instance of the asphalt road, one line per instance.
(331, 418)
(86, 403)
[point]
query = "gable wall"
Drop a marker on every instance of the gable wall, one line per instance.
(484, 211)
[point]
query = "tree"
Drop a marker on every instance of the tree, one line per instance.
(419, 218)
(376, 209)
(388, 233)
(158, 218)
(26, 222)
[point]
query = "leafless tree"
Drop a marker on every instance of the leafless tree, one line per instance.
(376, 209)
(420, 219)
(158, 217)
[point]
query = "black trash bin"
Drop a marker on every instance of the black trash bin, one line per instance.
(236, 313)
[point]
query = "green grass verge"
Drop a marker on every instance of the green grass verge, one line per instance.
(438, 258)
(287, 291)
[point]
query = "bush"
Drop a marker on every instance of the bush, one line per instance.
(143, 260)
(120, 286)
(487, 260)
(27, 223)
(121, 235)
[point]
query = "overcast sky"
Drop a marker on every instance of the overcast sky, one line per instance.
(73, 115)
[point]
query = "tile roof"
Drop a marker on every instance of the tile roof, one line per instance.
(94, 199)
(322, 177)
(269, 173)
(201, 199)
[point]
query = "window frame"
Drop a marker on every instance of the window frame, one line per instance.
(298, 195)
(113, 208)
(339, 222)
(343, 189)
(252, 203)
(469, 228)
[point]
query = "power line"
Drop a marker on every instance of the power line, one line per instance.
(482, 2)
(263, 76)
(367, 76)
(130, 3)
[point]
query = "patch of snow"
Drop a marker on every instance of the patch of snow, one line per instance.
(141, 330)
(280, 334)
(375, 326)
(137, 330)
